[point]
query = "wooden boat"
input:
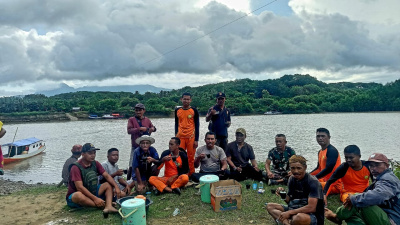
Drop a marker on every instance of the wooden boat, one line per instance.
(23, 149)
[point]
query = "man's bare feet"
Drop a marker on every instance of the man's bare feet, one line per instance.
(110, 210)
(331, 216)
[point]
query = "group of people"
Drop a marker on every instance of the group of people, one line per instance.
(307, 192)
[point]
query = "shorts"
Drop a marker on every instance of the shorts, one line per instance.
(72, 204)
(312, 215)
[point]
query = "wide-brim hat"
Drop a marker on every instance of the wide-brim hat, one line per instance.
(145, 138)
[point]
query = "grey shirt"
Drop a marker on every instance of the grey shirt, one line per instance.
(110, 169)
(212, 164)
(65, 170)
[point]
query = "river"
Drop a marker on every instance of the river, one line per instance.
(372, 132)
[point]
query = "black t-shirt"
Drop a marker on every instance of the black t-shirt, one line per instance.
(308, 187)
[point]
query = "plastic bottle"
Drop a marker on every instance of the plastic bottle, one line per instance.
(254, 186)
(261, 185)
(148, 195)
(176, 212)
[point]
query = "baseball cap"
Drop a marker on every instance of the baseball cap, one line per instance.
(88, 147)
(378, 157)
(241, 130)
(140, 106)
(220, 95)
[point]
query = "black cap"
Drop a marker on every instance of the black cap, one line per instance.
(220, 95)
(88, 147)
(140, 106)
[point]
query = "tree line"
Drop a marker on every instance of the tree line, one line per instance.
(288, 94)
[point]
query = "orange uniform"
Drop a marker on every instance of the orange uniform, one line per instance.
(187, 130)
(328, 161)
(353, 181)
(175, 173)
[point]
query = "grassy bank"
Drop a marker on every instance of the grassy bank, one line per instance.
(192, 209)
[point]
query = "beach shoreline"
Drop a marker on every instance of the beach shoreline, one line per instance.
(8, 186)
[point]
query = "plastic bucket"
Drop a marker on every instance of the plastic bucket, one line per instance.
(133, 212)
(148, 202)
(205, 182)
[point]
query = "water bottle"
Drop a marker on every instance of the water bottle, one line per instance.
(148, 195)
(254, 186)
(261, 185)
(176, 212)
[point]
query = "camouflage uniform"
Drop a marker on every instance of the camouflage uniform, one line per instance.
(280, 161)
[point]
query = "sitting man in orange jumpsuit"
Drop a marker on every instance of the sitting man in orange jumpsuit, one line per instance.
(187, 128)
(354, 175)
(176, 169)
(328, 160)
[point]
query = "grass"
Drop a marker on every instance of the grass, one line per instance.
(192, 209)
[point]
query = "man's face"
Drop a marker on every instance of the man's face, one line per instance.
(89, 156)
(113, 157)
(323, 139)
(352, 159)
(145, 145)
(210, 141)
(186, 100)
(377, 168)
(298, 170)
(280, 143)
(139, 112)
(221, 101)
(173, 145)
(240, 137)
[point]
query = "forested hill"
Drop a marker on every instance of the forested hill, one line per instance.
(288, 94)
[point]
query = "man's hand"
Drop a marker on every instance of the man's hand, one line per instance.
(195, 144)
(140, 187)
(347, 203)
(117, 192)
(166, 158)
(151, 159)
(270, 174)
(202, 156)
(256, 168)
(213, 111)
(239, 169)
(284, 216)
(99, 202)
(143, 129)
(127, 190)
(119, 172)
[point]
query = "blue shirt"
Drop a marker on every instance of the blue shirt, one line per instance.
(139, 162)
(219, 126)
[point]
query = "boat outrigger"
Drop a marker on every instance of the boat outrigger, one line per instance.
(23, 149)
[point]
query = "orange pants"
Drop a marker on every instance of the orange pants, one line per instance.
(161, 182)
(187, 144)
(335, 188)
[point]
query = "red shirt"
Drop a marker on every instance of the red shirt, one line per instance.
(75, 175)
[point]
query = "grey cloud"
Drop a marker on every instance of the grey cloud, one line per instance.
(98, 40)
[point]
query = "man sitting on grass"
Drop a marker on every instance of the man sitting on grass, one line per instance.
(176, 169)
(354, 175)
(305, 199)
(83, 187)
(111, 167)
(76, 153)
(379, 204)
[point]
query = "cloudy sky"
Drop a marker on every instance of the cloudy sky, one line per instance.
(175, 43)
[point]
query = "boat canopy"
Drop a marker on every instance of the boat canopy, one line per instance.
(23, 142)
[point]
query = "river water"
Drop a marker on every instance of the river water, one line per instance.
(372, 132)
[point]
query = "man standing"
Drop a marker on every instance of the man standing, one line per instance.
(187, 128)
(2, 133)
(137, 126)
(279, 156)
(176, 169)
(111, 167)
(353, 174)
(328, 159)
(378, 204)
(211, 159)
(76, 153)
(220, 118)
(145, 162)
(305, 199)
(238, 155)
(83, 187)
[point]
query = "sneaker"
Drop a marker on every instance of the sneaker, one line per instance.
(272, 182)
(176, 191)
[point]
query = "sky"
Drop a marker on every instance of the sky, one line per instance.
(176, 43)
